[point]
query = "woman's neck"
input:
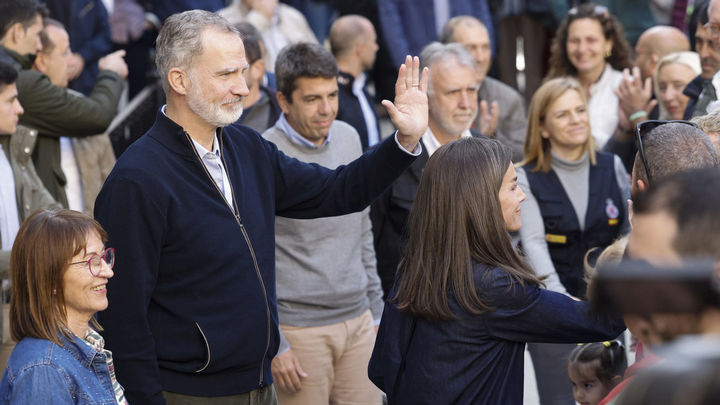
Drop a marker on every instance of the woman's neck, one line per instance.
(570, 154)
(77, 326)
(590, 77)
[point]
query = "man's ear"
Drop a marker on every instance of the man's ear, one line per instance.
(257, 69)
(283, 101)
(179, 81)
(13, 34)
(40, 63)
(641, 186)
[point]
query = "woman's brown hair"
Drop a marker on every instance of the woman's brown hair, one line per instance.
(537, 148)
(456, 218)
(43, 249)
(620, 56)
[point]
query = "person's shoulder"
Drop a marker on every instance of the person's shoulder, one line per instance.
(345, 133)
(273, 133)
(237, 133)
(287, 11)
(29, 80)
(499, 288)
(613, 76)
(339, 127)
(31, 352)
(496, 86)
(606, 158)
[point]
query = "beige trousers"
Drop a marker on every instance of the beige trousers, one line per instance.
(335, 357)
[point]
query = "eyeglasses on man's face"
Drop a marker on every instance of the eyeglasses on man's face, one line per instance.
(713, 29)
(95, 262)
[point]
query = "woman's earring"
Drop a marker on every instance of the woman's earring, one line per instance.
(608, 53)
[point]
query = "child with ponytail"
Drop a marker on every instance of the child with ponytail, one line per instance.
(595, 369)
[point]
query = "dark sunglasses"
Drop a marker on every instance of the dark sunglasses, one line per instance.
(645, 127)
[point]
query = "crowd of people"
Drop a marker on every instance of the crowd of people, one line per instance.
(280, 236)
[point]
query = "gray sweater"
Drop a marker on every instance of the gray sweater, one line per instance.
(574, 177)
(326, 270)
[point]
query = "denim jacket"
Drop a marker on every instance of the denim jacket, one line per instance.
(41, 372)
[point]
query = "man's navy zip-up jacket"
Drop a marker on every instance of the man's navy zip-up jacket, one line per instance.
(192, 305)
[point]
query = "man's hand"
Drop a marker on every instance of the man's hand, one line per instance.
(115, 63)
(488, 118)
(633, 94)
(287, 372)
(409, 113)
(76, 64)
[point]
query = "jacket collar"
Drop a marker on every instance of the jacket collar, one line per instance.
(695, 87)
(345, 79)
(78, 348)
(173, 136)
(20, 61)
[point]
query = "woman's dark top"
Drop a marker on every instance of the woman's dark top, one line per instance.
(478, 359)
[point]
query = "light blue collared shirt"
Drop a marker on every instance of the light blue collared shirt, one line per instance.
(295, 137)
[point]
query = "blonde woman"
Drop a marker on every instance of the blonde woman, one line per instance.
(672, 74)
(576, 199)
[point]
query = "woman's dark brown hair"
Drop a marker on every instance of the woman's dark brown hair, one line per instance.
(43, 249)
(620, 57)
(456, 218)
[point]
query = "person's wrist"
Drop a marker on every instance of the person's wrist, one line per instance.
(637, 115)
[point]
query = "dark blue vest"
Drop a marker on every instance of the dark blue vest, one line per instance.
(606, 214)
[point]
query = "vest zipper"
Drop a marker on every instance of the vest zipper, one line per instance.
(246, 236)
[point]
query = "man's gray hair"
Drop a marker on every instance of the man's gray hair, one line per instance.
(710, 122)
(672, 148)
(453, 52)
(448, 31)
(180, 40)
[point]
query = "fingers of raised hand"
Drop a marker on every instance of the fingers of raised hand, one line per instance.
(409, 73)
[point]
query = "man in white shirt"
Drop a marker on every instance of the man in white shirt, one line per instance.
(353, 42)
(501, 107)
(453, 105)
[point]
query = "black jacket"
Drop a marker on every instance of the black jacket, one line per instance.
(192, 304)
(349, 109)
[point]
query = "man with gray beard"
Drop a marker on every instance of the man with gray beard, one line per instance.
(190, 210)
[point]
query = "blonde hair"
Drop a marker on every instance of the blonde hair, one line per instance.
(709, 122)
(687, 58)
(537, 148)
(613, 254)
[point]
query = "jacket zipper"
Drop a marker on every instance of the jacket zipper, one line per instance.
(236, 214)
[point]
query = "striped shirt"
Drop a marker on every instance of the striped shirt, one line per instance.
(98, 343)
